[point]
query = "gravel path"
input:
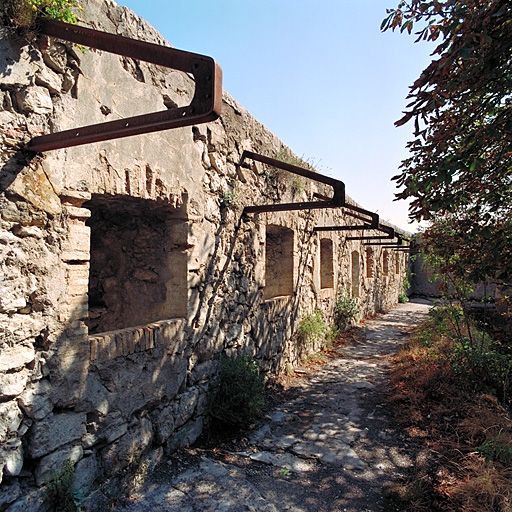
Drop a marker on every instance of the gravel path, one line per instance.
(330, 448)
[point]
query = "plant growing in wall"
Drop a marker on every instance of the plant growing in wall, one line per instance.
(346, 311)
(229, 198)
(312, 329)
(61, 492)
(239, 398)
(296, 183)
(24, 14)
(402, 296)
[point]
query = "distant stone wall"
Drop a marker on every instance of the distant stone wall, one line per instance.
(127, 266)
(424, 283)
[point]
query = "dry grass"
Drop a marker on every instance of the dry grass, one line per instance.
(481, 487)
(467, 435)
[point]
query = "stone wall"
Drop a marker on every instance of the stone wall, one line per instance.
(424, 283)
(127, 266)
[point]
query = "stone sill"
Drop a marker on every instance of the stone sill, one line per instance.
(277, 299)
(326, 293)
(109, 345)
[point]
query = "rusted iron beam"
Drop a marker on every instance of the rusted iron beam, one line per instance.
(385, 244)
(367, 216)
(390, 234)
(374, 222)
(360, 217)
(347, 205)
(205, 105)
(407, 249)
(338, 187)
(344, 228)
(398, 243)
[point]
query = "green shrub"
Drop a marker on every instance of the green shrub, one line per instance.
(240, 396)
(24, 13)
(496, 449)
(61, 493)
(346, 311)
(483, 363)
(298, 186)
(228, 199)
(312, 328)
(485, 366)
(402, 298)
(332, 334)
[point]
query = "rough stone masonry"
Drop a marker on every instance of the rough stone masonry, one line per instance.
(127, 266)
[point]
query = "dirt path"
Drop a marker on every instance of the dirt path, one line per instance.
(330, 448)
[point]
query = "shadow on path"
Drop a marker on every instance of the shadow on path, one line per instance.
(331, 448)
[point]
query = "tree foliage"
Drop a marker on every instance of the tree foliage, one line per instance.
(459, 246)
(459, 174)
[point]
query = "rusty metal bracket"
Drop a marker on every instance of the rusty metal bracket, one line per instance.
(367, 216)
(205, 105)
(338, 186)
(412, 248)
(371, 223)
(390, 234)
(391, 245)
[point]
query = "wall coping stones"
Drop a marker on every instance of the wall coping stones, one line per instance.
(109, 345)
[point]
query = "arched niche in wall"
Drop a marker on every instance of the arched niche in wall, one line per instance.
(385, 262)
(370, 263)
(326, 263)
(279, 262)
(356, 271)
(138, 267)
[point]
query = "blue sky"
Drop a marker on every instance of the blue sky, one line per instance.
(319, 74)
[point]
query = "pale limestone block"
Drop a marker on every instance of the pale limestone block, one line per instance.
(12, 358)
(35, 400)
(76, 255)
(12, 453)
(218, 162)
(17, 67)
(56, 56)
(76, 212)
(10, 418)
(34, 186)
(11, 301)
(164, 424)
(13, 384)
(86, 471)
(74, 197)
(25, 231)
(35, 99)
(94, 348)
(131, 445)
(78, 288)
(186, 407)
(49, 79)
(76, 272)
